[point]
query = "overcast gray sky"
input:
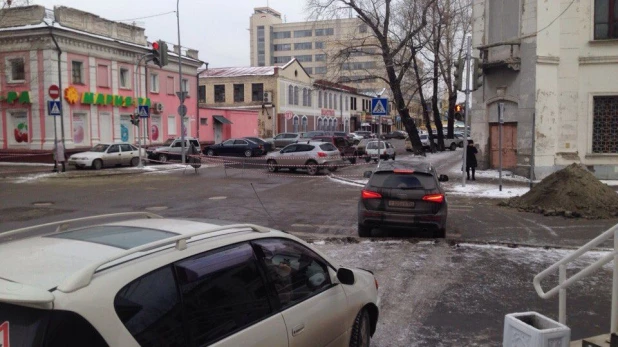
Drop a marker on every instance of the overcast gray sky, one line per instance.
(217, 28)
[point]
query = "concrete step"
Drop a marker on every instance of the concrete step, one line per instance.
(601, 340)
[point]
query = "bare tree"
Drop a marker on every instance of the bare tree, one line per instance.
(392, 25)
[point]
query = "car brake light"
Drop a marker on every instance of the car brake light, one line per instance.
(403, 171)
(439, 198)
(368, 194)
(322, 154)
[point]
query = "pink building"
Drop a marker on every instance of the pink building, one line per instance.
(99, 77)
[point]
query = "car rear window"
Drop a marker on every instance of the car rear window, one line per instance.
(25, 326)
(389, 179)
(328, 147)
(116, 236)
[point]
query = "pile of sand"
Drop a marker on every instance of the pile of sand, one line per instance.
(570, 192)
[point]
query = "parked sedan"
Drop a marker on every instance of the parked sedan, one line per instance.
(268, 146)
(397, 134)
(107, 154)
(235, 147)
(312, 156)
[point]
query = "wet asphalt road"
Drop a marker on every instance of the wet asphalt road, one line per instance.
(455, 292)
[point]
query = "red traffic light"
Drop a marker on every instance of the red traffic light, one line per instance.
(155, 46)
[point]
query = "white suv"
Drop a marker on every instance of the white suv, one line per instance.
(152, 281)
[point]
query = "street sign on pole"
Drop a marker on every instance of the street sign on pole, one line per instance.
(53, 91)
(182, 96)
(378, 106)
(54, 107)
(182, 110)
(143, 111)
(289, 114)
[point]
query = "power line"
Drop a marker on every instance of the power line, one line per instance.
(152, 16)
(550, 23)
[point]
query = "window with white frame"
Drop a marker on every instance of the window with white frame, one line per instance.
(296, 95)
(125, 78)
(154, 83)
(291, 95)
(295, 124)
(16, 71)
(171, 125)
(309, 97)
(185, 86)
(304, 124)
(305, 102)
(77, 68)
(320, 99)
(330, 100)
(335, 102)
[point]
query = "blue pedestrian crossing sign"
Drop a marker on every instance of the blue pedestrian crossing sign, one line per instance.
(53, 107)
(143, 111)
(378, 106)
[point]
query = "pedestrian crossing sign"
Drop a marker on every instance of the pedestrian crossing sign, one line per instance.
(53, 107)
(378, 106)
(143, 111)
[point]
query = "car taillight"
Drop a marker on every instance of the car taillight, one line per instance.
(322, 154)
(368, 194)
(260, 147)
(439, 198)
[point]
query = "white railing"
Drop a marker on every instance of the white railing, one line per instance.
(564, 282)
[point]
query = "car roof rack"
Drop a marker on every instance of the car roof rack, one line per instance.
(64, 224)
(83, 277)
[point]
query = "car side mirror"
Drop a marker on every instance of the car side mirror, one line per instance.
(443, 178)
(345, 276)
(367, 174)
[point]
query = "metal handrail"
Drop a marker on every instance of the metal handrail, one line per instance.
(64, 224)
(564, 283)
(83, 277)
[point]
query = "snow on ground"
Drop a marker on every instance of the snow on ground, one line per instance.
(611, 183)
(483, 190)
(24, 164)
(35, 177)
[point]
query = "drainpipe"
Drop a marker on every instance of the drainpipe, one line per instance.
(59, 85)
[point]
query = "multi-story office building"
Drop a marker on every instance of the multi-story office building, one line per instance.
(317, 44)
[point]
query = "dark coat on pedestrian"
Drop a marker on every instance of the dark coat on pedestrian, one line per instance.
(471, 156)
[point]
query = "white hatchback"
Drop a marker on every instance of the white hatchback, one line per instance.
(152, 281)
(379, 150)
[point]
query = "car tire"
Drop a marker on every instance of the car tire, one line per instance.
(440, 233)
(163, 158)
(453, 146)
(97, 164)
(210, 153)
(272, 165)
(361, 330)
(364, 231)
(248, 153)
(134, 161)
(312, 168)
(393, 157)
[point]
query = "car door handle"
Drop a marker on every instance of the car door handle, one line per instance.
(298, 329)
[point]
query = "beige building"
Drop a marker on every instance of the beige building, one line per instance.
(553, 65)
(315, 44)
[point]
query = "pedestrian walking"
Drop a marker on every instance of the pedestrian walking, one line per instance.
(471, 159)
(59, 156)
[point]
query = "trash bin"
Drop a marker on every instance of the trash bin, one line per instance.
(531, 329)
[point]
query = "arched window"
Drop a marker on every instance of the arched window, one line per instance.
(295, 123)
(347, 126)
(335, 125)
(335, 103)
(330, 125)
(320, 99)
(330, 100)
(295, 95)
(290, 95)
(309, 97)
(320, 122)
(305, 102)
(304, 123)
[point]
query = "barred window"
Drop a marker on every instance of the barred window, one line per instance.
(605, 125)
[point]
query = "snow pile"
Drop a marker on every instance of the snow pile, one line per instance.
(570, 192)
(484, 190)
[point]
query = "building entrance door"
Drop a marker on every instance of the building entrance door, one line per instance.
(218, 132)
(509, 145)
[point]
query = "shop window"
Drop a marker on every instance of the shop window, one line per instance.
(19, 134)
(239, 93)
(185, 86)
(220, 93)
(17, 70)
(77, 68)
(125, 78)
(154, 83)
(257, 92)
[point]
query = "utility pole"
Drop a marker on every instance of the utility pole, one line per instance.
(467, 64)
(181, 96)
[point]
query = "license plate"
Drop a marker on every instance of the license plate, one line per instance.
(399, 203)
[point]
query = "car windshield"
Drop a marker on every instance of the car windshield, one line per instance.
(389, 179)
(99, 148)
(168, 142)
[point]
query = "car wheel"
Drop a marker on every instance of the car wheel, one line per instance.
(134, 161)
(248, 153)
(364, 231)
(312, 168)
(210, 153)
(393, 157)
(97, 164)
(272, 165)
(163, 158)
(361, 331)
(440, 233)
(453, 146)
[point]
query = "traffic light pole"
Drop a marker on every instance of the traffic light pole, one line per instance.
(182, 95)
(139, 128)
(467, 81)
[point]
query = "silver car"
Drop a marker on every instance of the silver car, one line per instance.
(312, 156)
(284, 139)
(107, 154)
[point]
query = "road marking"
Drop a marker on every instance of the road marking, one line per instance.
(42, 203)
(551, 231)
(218, 198)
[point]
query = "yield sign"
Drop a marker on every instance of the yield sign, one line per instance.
(4, 334)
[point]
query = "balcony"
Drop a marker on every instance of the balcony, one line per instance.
(501, 54)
